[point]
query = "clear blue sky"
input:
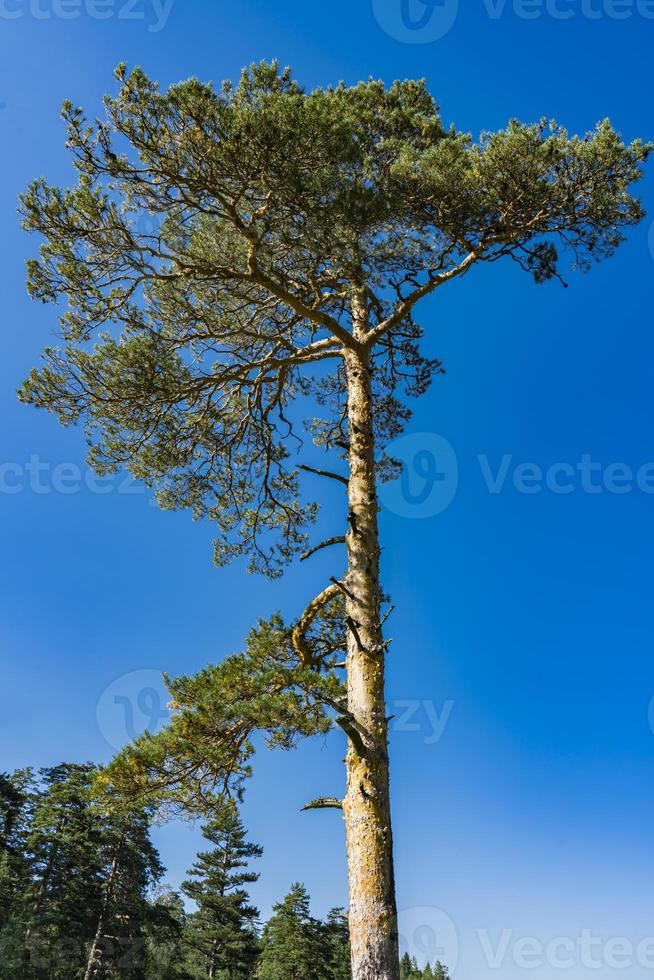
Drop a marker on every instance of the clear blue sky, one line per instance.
(527, 616)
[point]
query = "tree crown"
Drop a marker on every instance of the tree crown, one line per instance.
(223, 249)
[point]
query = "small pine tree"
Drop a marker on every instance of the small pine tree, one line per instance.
(441, 972)
(293, 942)
(221, 935)
(406, 968)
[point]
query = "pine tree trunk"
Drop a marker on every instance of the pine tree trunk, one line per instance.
(373, 914)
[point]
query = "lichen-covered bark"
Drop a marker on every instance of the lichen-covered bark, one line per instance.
(373, 916)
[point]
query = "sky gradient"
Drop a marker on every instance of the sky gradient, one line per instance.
(521, 669)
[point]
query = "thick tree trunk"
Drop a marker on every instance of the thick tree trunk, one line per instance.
(373, 914)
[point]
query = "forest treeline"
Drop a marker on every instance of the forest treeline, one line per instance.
(81, 898)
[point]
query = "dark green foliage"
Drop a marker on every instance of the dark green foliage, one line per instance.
(79, 883)
(294, 945)
(337, 934)
(130, 868)
(409, 970)
(62, 904)
(166, 922)
(16, 802)
(220, 936)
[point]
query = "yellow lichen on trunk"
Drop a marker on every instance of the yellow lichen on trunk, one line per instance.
(373, 917)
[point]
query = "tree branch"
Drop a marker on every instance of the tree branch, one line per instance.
(324, 803)
(407, 305)
(298, 636)
(327, 473)
(323, 544)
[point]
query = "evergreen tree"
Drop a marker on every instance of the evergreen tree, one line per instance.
(16, 805)
(406, 968)
(441, 972)
(165, 926)
(16, 798)
(82, 911)
(63, 901)
(427, 973)
(130, 868)
(299, 232)
(337, 933)
(293, 945)
(221, 935)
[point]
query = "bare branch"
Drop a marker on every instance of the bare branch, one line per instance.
(342, 588)
(428, 287)
(324, 803)
(327, 473)
(339, 539)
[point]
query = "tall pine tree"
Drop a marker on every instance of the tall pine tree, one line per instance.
(299, 233)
